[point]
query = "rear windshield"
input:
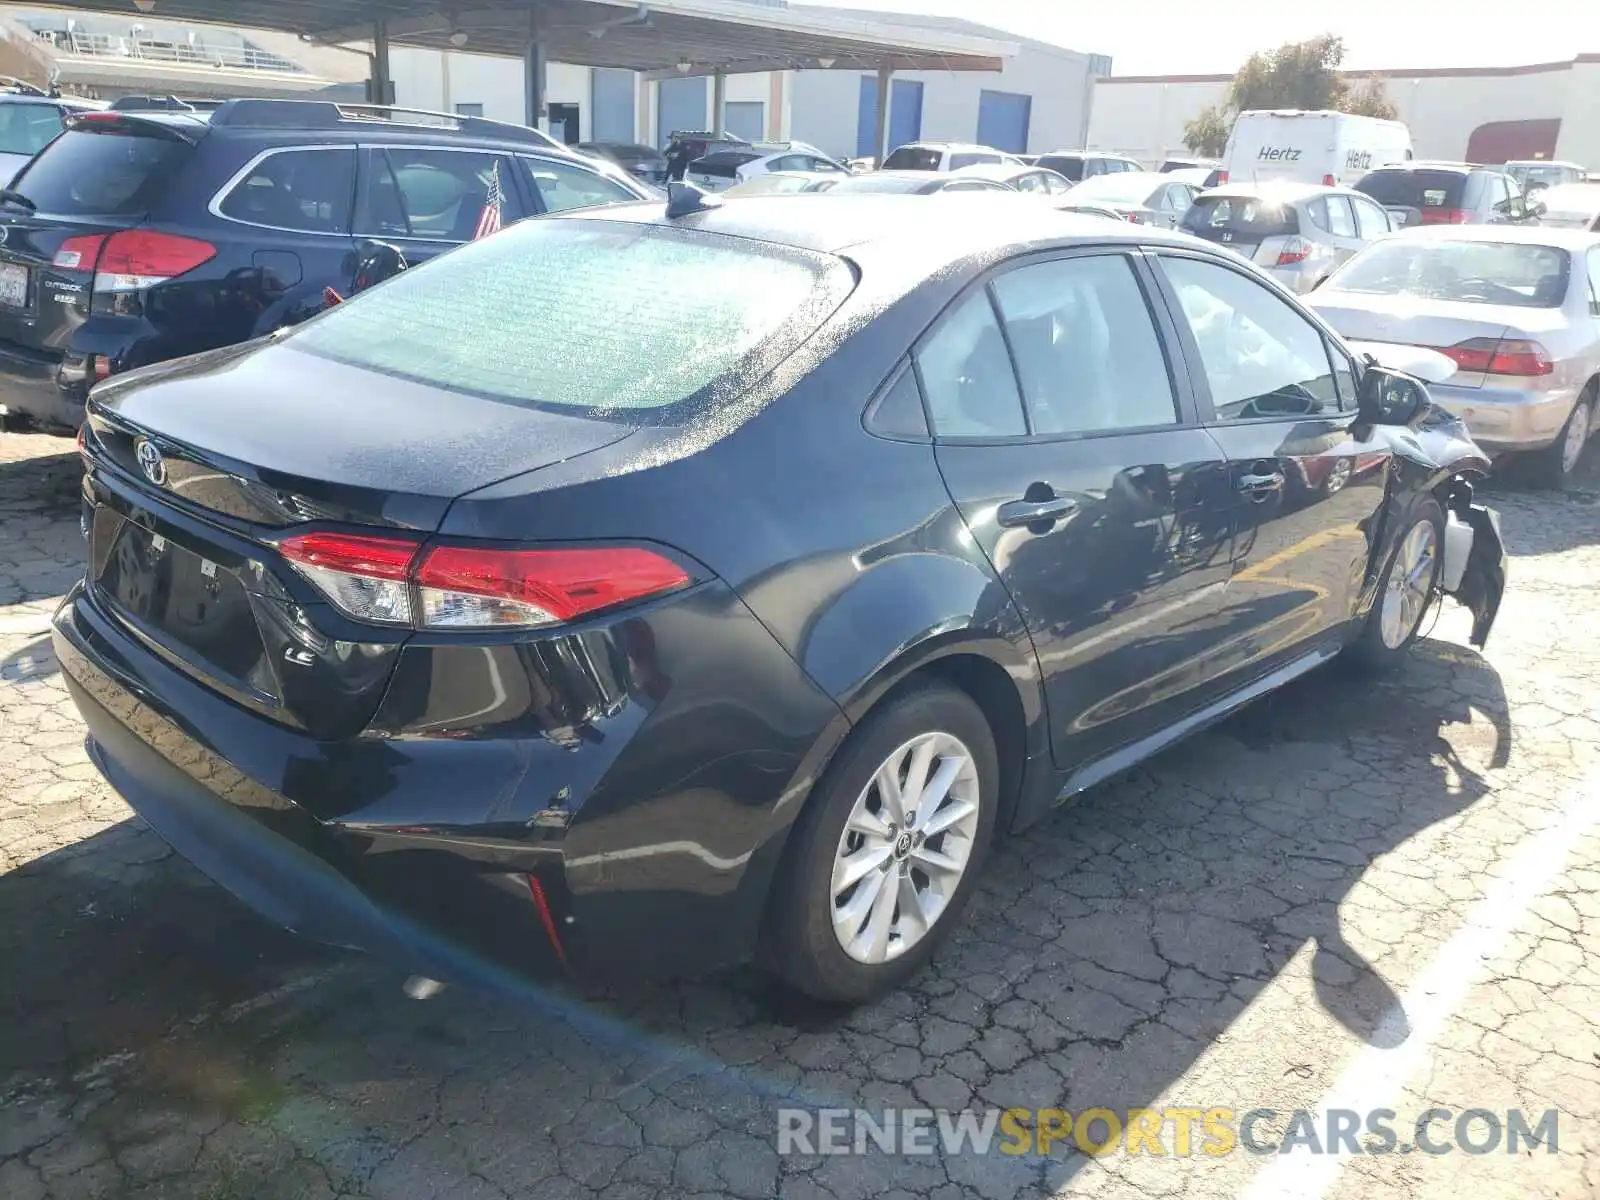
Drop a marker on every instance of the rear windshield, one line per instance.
(600, 316)
(27, 128)
(912, 158)
(1241, 216)
(1420, 189)
(724, 163)
(101, 174)
(1468, 272)
(1071, 167)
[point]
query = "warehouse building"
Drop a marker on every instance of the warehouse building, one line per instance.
(1480, 114)
(1039, 100)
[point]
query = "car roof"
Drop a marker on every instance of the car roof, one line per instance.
(1423, 164)
(937, 232)
(1289, 190)
(1531, 235)
(1086, 154)
(76, 103)
(1000, 171)
(1543, 162)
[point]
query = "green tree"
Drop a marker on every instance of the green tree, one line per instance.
(1295, 75)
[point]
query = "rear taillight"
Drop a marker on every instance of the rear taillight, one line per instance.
(1295, 250)
(1328, 181)
(1444, 216)
(1222, 178)
(79, 253)
(137, 259)
(394, 581)
(1495, 356)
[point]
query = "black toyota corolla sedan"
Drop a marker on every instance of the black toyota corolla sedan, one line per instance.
(630, 592)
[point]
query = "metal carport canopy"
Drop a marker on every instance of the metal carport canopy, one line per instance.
(661, 38)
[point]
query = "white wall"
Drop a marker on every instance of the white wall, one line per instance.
(1144, 117)
(827, 104)
(1146, 120)
(433, 80)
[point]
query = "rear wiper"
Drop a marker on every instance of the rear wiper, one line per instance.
(19, 199)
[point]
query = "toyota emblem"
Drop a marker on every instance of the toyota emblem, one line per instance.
(150, 461)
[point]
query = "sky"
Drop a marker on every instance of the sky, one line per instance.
(1217, 35)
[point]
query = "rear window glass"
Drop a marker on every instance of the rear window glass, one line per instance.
(1072, 168)
(569, 314)
(1468, 272)
(1415, 189)
(27, 128)
(101, 174)
(1242, 216)
(912, 158)
(957, 161)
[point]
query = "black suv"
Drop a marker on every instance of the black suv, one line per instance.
(141, 236)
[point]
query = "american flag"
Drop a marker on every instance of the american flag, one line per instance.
(489, 220)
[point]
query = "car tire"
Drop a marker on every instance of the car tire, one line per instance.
(1398, 610)
(840, 940)
(1555, 464)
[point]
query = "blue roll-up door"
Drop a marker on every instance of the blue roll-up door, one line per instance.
(905, 114)
(683, 104)
(612, 105)
(746, 119)
(1003, 120)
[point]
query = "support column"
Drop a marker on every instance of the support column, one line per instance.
(719, 102)
(382, 82)
(533, 77)
(885, 74)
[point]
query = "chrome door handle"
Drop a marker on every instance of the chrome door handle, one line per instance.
(1014, 513)
(1261, 483)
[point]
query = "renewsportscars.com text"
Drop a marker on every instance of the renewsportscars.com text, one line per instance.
(1164, 1131)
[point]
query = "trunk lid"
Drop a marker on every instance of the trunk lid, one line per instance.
(182, 530)
(1409, 321)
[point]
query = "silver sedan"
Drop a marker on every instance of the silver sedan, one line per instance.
(1514, 307)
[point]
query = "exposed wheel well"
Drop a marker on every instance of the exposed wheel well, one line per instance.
(991, 688)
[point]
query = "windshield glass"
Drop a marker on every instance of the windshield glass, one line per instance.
(1470, 272)
(1533, 175)
(1241, 216)
(912, 158)
(27, 128)
(1122, 187)
(101, 174)
(594, 315)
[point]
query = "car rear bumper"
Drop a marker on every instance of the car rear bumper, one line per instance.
(1502, 420)
(601, 852)
(29, 386)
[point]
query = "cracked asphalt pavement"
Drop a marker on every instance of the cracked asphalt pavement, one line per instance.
(1354, 893)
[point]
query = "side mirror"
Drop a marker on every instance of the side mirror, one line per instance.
(1387, 397)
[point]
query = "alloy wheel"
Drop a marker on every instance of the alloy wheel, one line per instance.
(905, 848)
(1338, 476)
(1405, 597)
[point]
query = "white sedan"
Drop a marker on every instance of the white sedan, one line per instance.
(723, 169)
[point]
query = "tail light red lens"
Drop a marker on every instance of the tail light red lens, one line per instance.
(393, 581)
(136, 259)
(1328, 181)
(1222, 178)
(1497, 356)
(1445, 216)
(1295, 250)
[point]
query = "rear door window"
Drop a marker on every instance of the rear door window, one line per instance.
(967, 380)
(110, 174)
(434, 195)
(1085, 346)
(1341, 221)
(305, 190)
(1371, 221)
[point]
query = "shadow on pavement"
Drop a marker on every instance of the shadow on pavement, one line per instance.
(1108, 948)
